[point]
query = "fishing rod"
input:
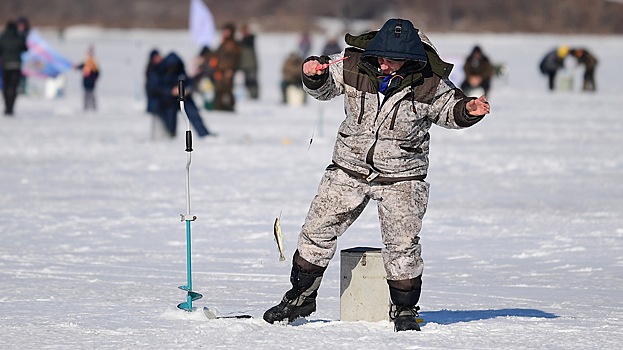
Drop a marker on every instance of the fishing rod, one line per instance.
(319, 116)
(188, 218)
(326, 65)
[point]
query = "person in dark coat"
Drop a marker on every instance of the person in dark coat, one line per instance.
(331, 47)
(172, 71)
(153, 92)
(152, 76)
(23, 29)
(478, 71)
(204, 76)
(23, 26)
(90, 75)
(11, 47)
(291, 75)
(589, 61)
(552, 62)
(227, 59)
(305, 43)
(248, 62)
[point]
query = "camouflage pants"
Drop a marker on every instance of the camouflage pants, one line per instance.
(342, 198)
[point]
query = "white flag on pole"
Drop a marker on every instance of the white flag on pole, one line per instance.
(201, 23)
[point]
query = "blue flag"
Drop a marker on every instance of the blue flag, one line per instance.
(41, 60)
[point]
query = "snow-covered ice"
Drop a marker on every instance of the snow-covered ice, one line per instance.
(523, 239)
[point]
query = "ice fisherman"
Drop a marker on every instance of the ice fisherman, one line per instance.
(395, 87)
(227, 58)
(589, 61)
(478, 72)
(552, 62)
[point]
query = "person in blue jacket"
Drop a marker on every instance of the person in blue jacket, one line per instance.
(153, 93)
(171, 71)
(151, 81)
(552, 62)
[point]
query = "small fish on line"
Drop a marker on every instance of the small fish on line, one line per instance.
(279, 239)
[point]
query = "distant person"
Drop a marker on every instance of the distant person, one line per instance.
(23, 26)
(305, 44)
(227, 63)
(204, 76)
(291, 80)
(23, 29)
(205, 64)
(11, 47)
(478, 73)
(589, 61)
(248, 62)
(152, 73)
(552, 63)
(90, 75)
(154, 94)
(331, 47)
(172, 70)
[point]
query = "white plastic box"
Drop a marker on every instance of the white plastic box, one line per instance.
(364, 294)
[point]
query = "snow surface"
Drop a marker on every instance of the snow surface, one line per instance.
(523, 239)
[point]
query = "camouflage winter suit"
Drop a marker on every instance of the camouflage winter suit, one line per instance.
(381, 153)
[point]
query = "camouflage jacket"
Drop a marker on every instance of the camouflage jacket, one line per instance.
(385, 137)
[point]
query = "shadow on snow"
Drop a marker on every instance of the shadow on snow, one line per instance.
(456, 316)
(446, 317)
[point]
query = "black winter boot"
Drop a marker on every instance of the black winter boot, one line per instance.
(300, 301)
(403, 311)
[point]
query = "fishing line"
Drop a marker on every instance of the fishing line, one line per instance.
(316, 122)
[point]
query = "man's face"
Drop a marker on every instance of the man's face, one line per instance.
(389, 66)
